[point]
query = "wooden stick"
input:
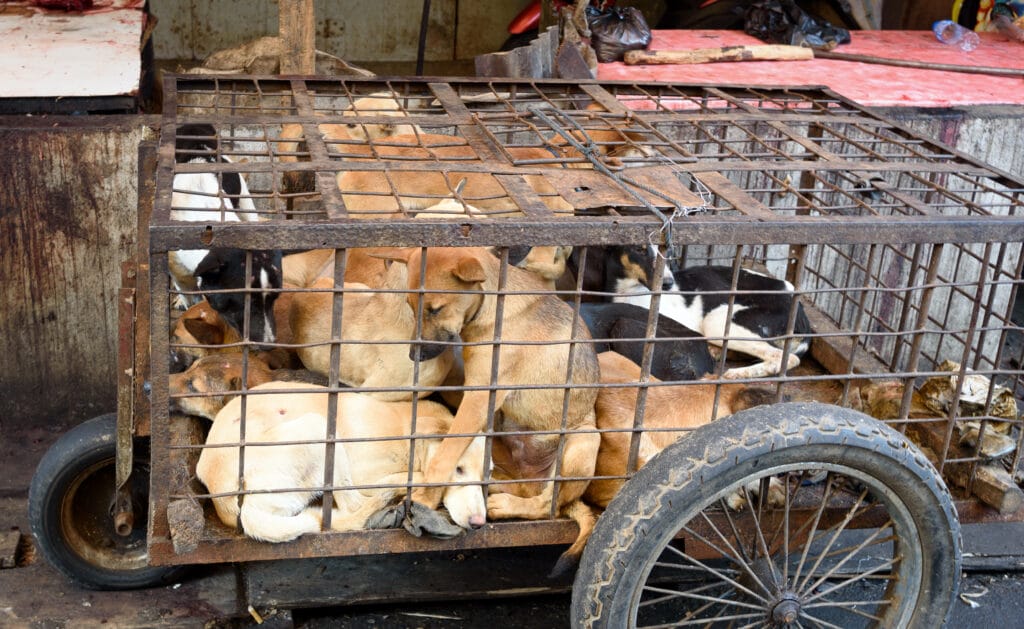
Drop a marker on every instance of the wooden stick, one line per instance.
(297, 29)
(922, 65)
(725, 53)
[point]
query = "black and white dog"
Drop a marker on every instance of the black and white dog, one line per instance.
(679, 353)
(760, 314)
(207, 197)
(224, 270)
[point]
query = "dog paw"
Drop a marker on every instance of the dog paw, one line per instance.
(419, 519)
(390, 517)
(499, 506)
(737, 500)
(423, 519)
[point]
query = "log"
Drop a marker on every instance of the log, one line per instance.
(297, 28)
(725, 53)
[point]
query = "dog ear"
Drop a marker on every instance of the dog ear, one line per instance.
(212, 261)
(204, 333)
(400, 255)
(469, 270)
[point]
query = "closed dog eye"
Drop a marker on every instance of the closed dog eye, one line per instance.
(432, 311)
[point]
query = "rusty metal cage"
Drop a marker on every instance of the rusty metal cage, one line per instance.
(905, 254)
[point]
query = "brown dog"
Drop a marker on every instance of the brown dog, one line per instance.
(471, 316)
(684, 406)
(210, 382)
(201, 325)
(366, 316)
(372, 194)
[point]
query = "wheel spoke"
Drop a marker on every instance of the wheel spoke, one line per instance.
(819, 622)
(814, 527)
(703, 621)
(853, 579)
(843, 605)
(759, 538)
(701, 597)
(842, 562)
(662, 599)
(744, 564)
(736, 584)
(835, 536)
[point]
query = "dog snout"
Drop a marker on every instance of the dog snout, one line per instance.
(477, 520)
(428, 349)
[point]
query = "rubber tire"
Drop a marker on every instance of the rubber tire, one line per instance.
(669, 490)
(84, 451)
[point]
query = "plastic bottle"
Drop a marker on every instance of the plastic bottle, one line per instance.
(949, 32)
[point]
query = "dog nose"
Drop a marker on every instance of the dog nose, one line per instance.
(476, 521)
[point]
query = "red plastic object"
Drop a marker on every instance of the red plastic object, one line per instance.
(526, 20)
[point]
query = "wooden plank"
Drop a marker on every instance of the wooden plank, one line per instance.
(71, 54)
(834, 348)
(297, 24)
(392, 577)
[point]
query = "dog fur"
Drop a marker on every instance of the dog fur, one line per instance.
(366, 316)
(203, 197)
(682, 355)
(211, 381)
(201, 325)
(684, 406)
(369, 194)
(760, 315)
(291, 415)
(222, 271)
(471, 317)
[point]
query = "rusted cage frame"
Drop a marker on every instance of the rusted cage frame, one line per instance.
(576, 232)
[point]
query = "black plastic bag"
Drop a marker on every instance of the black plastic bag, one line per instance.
(783, 22)
(615, 30)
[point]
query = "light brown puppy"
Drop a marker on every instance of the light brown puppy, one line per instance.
(201, 325)
(366, 316)
(449, 316)
(684, 406)
(292, 415)
(373, 194)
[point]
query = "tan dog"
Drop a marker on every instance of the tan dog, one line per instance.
(472, 316)
(294, 416)
(617, 148)
(684, 406)
(373, 194)
(366, 316)
(206, 386)
(201, 325)
(217, 378)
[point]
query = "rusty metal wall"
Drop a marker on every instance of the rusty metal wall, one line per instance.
(67, 220)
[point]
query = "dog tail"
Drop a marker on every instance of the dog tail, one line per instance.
(265, 525)
(585, 519)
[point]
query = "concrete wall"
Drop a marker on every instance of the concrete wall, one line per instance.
(355, 30)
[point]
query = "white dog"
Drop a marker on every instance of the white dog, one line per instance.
(293, 416)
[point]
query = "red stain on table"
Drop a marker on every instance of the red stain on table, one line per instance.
(869, 84)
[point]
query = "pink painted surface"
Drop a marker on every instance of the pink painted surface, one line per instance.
(868, 84)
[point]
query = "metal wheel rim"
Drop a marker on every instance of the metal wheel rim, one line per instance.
(903, 588)
(87, 522)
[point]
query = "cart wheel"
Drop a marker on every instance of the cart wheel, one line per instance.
(70, 510)
(836, 521)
